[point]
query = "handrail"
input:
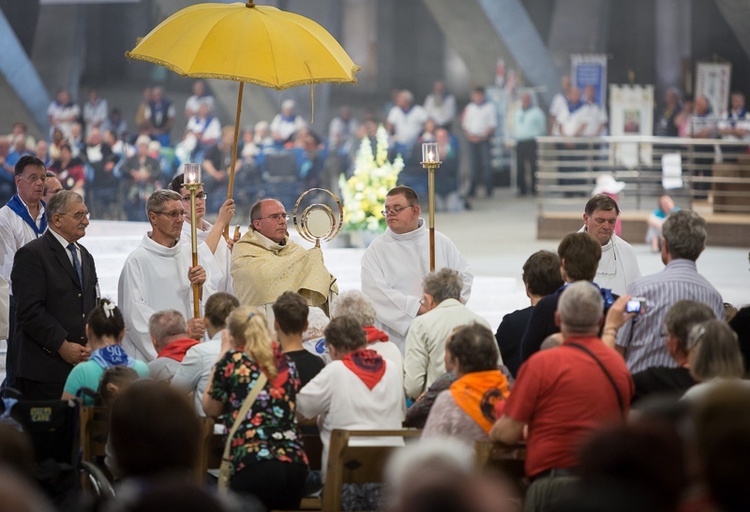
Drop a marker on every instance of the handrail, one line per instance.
(569, 166)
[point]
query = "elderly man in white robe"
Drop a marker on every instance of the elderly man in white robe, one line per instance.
(396, 262)
(159, 274)
(266, 263)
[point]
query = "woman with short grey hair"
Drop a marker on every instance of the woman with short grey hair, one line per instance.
(714, 356)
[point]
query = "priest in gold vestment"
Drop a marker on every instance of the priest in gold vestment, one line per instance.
(266, 263)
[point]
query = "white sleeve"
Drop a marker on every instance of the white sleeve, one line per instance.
(394, 309)
(189, 372)
(315, 398)
(4, 308)
(416, 360)
(8, 246)
(456, 261)
(136, 312)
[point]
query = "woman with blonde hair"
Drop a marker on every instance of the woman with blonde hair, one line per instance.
(267, 458)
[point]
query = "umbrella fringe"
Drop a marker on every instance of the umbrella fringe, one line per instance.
(236, 78)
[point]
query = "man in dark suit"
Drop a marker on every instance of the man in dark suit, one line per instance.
(55, 287)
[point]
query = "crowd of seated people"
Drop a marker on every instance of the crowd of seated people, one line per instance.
(93, 150)
(569, 405)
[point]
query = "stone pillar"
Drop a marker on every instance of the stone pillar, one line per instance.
(673, 43)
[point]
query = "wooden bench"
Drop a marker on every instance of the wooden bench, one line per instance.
(356, 464)
(509, 460)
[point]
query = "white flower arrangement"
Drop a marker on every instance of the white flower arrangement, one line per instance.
(364, 193)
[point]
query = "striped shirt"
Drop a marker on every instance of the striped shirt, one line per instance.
(644, 337)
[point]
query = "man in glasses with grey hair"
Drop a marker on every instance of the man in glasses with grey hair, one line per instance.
(55, 286)
(159, 275)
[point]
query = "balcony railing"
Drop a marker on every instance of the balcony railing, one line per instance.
(715, 171)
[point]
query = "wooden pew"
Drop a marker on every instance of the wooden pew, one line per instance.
(356, 464)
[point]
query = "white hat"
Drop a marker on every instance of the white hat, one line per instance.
(287, 105)
(607, 184)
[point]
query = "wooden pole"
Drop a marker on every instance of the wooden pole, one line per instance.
(230, 188)
(193, 187)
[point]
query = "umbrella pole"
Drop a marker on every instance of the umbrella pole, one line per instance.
(230, 189)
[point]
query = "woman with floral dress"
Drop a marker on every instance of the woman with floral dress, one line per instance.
(267, 456)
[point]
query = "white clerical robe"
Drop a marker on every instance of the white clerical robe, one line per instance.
(392, 271)
(155, 278)
(222, 279)
(618, 266)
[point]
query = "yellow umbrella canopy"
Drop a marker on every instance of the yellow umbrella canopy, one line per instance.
(258, 44)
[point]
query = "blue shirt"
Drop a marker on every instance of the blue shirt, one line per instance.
(530, 123)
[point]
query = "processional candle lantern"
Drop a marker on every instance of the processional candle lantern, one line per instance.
(431, 161)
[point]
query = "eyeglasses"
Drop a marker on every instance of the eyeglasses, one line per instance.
(276, 217)
(612, 270)
(78, 216)
(177, 214)
(199, 195)
(33, 178)
(395, 210)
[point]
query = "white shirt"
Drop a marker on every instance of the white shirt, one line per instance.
(94, 114)
(618, 266)
(479, 119)
(392, 271)
(193, 103)
(407, 126)
(341, 400)
(424, 360)
(590, 115)
(154, 278)
(65, 244)
(207, 129)
(442, 112)
(4, 308)
(59, 112)
(285, 128)
(221, 278)
(558, 110)
(14, 234)
(595, 118)
(195, 369)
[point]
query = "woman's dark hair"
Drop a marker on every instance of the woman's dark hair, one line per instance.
(106, 320)
(177, 183)
(474, 347)
(119, 376)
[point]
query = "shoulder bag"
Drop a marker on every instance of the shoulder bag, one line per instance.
(606, 372)
(225, 470)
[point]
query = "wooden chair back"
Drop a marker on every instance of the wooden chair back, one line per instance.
(356, 464)
(509, 460)
(94, 433)
(211, 450)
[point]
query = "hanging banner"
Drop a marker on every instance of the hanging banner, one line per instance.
(631, 113)
(590, 69)
(712, 80)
